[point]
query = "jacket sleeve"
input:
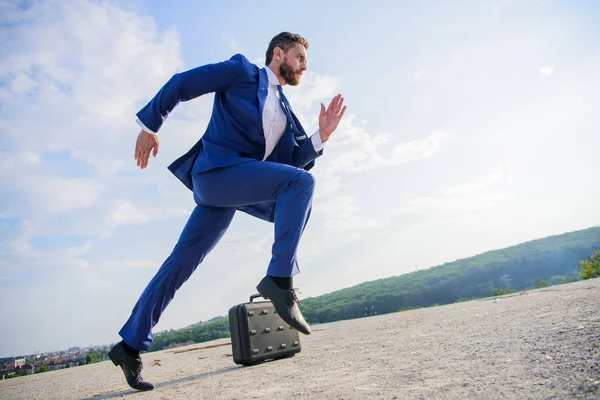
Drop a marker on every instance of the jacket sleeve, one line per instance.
(305, 155)
(188, 85)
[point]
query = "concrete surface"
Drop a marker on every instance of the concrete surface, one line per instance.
(539, 344)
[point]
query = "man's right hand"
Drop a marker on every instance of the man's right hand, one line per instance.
(146, 143)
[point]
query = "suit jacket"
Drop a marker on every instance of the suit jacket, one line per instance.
(235, 133)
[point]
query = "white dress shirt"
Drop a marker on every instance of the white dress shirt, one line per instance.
(274, 119)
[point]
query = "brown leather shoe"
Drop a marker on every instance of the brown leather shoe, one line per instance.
(285, 302)
(131, 366)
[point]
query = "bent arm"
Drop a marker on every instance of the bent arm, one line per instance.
(188, 85)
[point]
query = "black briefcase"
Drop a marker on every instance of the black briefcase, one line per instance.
(258, 333)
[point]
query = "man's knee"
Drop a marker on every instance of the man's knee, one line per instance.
(306, 179)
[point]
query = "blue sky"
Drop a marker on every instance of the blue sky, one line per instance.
(471, 125)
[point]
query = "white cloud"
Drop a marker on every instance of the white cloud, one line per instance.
(362, 151)
(78, 251)
(70, 101)
(471, 197)
(337, 221)
(20, 245)
(479, 183)
(127, 213)
(56, 194)
(417, 149)
(29, 257)
(545, 70)
(68, 110)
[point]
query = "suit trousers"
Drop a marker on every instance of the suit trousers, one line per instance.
(217, 193)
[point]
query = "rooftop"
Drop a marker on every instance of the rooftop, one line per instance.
(536, 344)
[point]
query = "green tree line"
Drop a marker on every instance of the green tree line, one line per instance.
(538, 263)
(217, 329)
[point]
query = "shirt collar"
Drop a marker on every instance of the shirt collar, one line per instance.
(272, 78)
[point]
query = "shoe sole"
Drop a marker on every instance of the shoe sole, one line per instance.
(115, 361)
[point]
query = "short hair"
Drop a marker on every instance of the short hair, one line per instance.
(285, 41)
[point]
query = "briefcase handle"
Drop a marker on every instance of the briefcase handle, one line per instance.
(254, 296)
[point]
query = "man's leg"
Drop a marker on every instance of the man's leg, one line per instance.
(292, 191)
(202, 232)
(256, 182)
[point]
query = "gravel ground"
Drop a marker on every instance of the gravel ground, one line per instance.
(538, 344)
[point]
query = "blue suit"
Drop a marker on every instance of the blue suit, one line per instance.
(225, 172)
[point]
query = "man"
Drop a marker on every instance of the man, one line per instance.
(254, 157)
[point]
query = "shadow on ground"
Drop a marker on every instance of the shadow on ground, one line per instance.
(192, 378)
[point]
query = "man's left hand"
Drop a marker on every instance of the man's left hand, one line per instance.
(330, 118)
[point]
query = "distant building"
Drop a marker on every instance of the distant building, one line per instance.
(15, 364)
(5, 369)
(56, 363)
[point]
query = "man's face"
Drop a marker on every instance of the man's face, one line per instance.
(293, 65)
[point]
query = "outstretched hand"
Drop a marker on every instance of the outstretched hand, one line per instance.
(146, 143)
(330, 118)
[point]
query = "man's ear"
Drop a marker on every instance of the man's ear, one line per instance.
(278, 53)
